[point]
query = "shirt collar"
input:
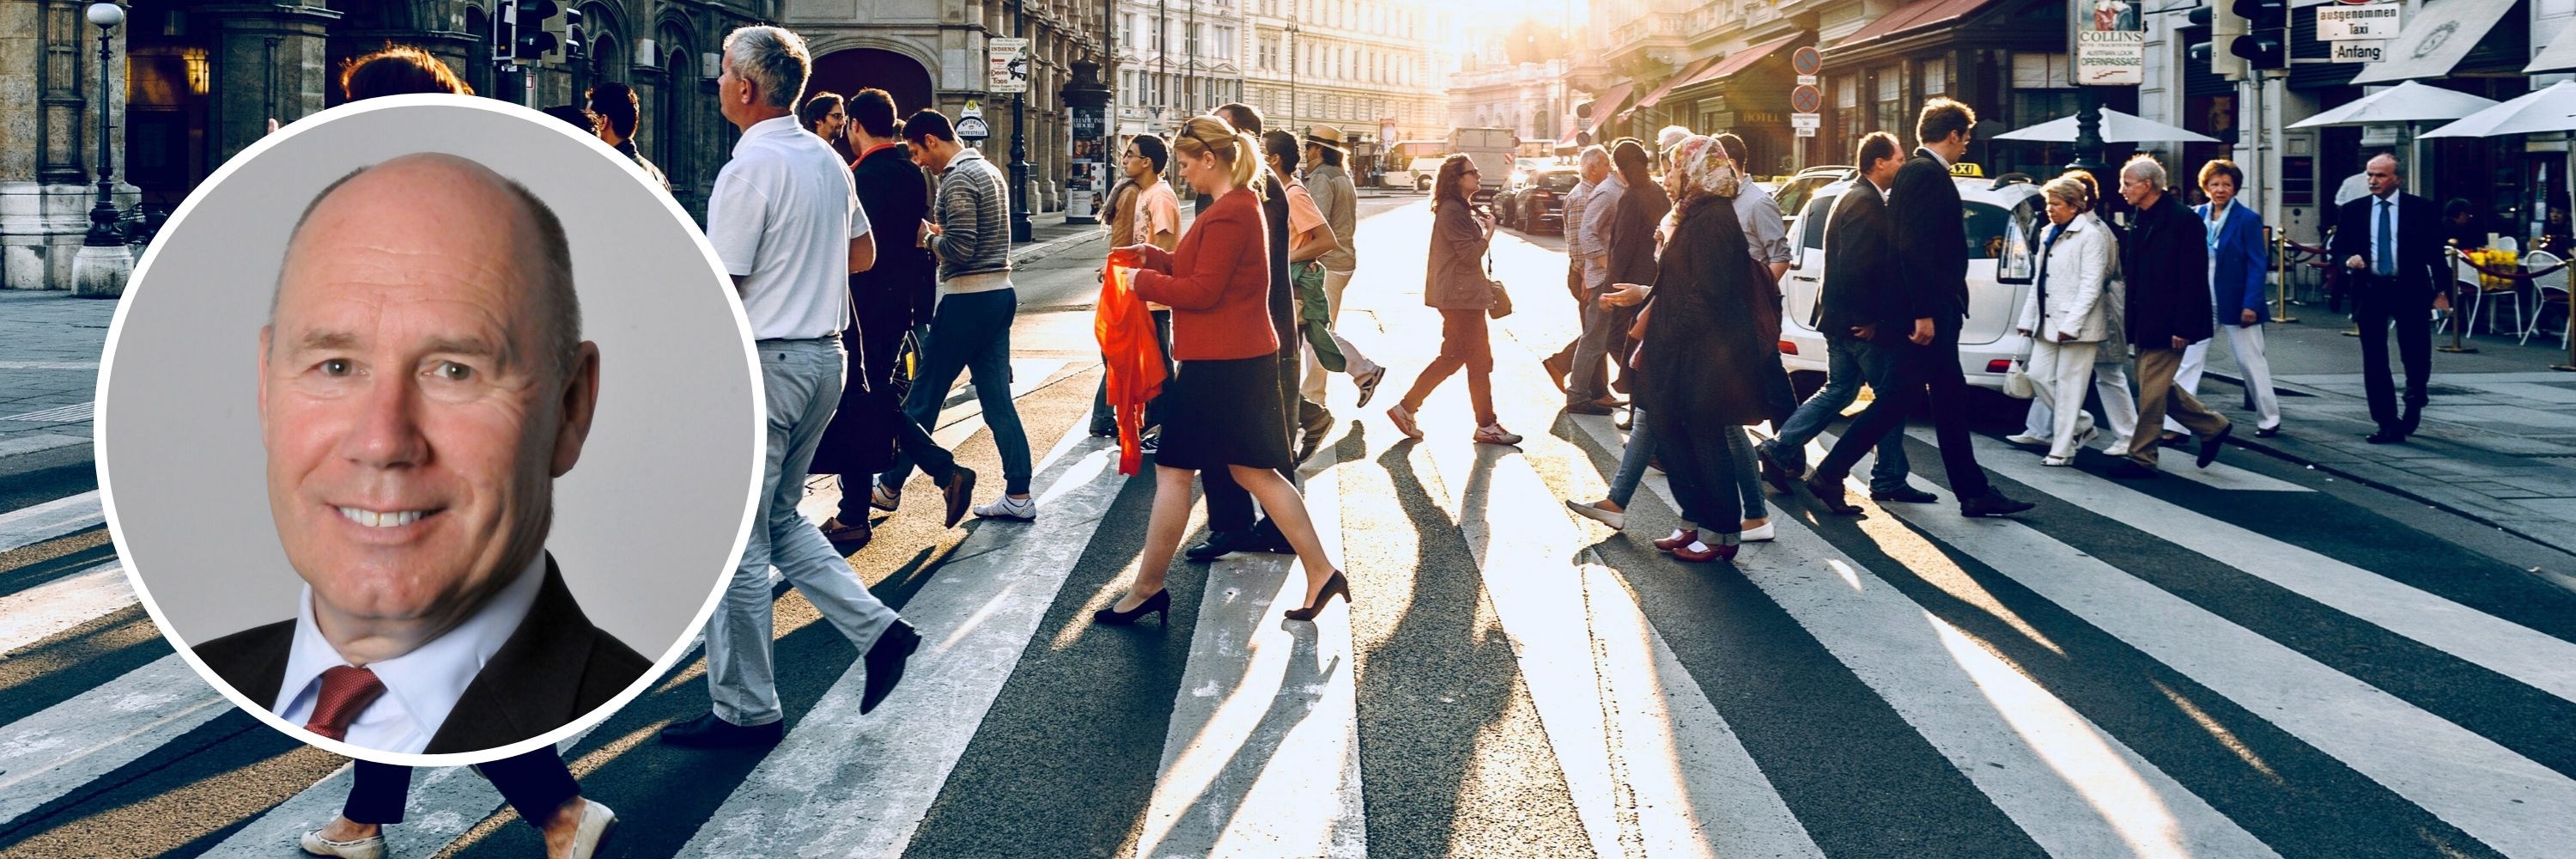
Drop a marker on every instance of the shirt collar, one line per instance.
(428, 680)
(1936, 157)
(872, 150)
(964, 154)
(765, 128)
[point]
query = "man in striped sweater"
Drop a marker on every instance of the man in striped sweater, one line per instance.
(969, 231)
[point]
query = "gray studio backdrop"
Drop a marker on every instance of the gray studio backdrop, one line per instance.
(645, 523)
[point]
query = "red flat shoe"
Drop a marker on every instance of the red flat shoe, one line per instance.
(1704, 552)
(1678, 540)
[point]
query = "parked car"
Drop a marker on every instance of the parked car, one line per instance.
(1537, 203)
(1792, 195)
(2002, 218)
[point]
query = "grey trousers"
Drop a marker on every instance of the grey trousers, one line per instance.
(803, 381)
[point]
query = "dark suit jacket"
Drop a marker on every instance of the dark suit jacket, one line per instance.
(2166, 263)
(1931, 239)
(904, 277)
(2420, 262)
(1861, 268)
(554, 668)
(1633, 227)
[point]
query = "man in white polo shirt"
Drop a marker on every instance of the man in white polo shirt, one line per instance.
(785, 220)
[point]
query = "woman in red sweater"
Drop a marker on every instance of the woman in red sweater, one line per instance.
(1221, 407)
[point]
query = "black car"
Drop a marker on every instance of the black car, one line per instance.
(1538, 204)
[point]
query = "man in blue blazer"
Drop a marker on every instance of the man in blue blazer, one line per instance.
(2390, 245)
(2236, 263)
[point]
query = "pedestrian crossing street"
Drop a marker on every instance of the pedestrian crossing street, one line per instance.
(2228, 664)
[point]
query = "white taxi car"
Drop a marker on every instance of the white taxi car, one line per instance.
(2002, 218)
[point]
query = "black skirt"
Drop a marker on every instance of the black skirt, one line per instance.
(1221, 413)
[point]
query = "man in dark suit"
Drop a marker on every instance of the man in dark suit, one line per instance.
(1860, 275)
(1920, 343)
(2390, 245)
(422, 382)
(889, 299)
(1231, 527)
(2165, 260)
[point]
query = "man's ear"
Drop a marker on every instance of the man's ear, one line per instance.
(261, 407)
(580, 401)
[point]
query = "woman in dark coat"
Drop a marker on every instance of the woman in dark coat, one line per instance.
(1699, 367)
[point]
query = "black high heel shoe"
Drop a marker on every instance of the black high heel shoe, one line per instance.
(1334, 585)
(1160, 605)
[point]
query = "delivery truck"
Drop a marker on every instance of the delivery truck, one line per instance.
(1492, 149)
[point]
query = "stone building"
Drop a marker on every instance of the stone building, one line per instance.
(1176, 59)
(1367, 67)
(1511, 74)
(200, 81)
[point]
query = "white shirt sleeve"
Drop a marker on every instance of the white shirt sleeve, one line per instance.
(737, 216)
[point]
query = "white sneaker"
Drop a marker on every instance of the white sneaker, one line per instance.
(1767, 533)
(1617, 521)
(2117, 445)
(596, 820)
(2025, 438)
(1007, 507)
(2087, 436)
(370, 847)
(882, 498)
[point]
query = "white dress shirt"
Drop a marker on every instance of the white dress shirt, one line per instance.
(420, 686)
(781, 217)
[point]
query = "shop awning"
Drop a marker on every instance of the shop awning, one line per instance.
(1609, 103)
(1657, 97)
(1735, 62)
(2559, 56)
(1913, 16)
(2440, 34)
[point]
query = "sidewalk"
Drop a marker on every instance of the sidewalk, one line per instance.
(49, 351)
(2498, 441)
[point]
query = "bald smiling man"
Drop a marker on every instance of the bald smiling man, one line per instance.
(422, 382)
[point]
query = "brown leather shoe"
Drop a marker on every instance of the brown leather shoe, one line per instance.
(959, 493)
(1558, 367)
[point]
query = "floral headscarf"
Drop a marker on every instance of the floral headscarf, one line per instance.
(1706, 171)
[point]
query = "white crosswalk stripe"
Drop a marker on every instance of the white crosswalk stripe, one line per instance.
(57, 750)
(27, 526)
(39, 612)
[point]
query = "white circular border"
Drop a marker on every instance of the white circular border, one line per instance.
(757, 422)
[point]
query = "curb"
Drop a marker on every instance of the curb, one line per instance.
(1035, 251)
(2275, 451)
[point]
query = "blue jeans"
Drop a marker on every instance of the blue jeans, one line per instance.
(1632, 462)
(971, 333)
(1844, 374)
(802, 379)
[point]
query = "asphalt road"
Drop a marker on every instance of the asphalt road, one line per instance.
(2253, 660)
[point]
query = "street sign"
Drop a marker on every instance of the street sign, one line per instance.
(1807, 61)
(1806, 132)
(2358, 23)
(1806, 99)
(1009, 65)
(2111, 44)
(2360, 52)
(1806, 121)
(1806, 80)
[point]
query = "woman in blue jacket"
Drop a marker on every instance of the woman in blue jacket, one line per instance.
(2237, 261)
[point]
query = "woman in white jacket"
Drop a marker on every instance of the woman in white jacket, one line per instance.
(2068, 315)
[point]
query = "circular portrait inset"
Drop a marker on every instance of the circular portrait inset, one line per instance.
(428, 430)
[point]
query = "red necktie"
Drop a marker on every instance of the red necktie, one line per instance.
(345, 692)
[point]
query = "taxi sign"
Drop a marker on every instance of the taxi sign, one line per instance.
(1965, 170)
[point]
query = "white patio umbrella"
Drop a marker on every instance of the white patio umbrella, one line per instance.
(2117, 127)
(2543, 111)
(2408, 102)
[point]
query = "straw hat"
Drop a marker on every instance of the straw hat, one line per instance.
(1326, 136)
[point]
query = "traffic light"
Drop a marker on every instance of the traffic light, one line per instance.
(565, 25)
(2266, 43)
(531, 41)
(505, 28)
(2224, 28)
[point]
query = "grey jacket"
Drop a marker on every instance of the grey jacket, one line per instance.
(1339, 200)
(974, 215)
(1456, 279)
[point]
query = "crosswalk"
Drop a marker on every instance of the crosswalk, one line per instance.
(2232, 665)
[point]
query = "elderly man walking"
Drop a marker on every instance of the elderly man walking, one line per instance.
(785, 221)
(2166, 264)
(1594, 167)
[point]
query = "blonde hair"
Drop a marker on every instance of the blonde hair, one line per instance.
(1206, 135)
(2075, 192)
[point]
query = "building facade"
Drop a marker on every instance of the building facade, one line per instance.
(1176, 59)
(1366, 67)
(201, 81)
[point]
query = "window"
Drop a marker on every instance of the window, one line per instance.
(1936, 77)
(1160, 35)
(1891, 99)
(1190, 40)
(2040, 71)
(1847, 121)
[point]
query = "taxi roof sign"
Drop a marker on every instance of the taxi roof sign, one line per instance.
(1965, 170)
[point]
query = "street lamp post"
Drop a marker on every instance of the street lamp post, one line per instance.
(1021, 229)
(103, 263)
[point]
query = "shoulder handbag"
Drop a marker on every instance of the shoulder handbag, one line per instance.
(1500, 301)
